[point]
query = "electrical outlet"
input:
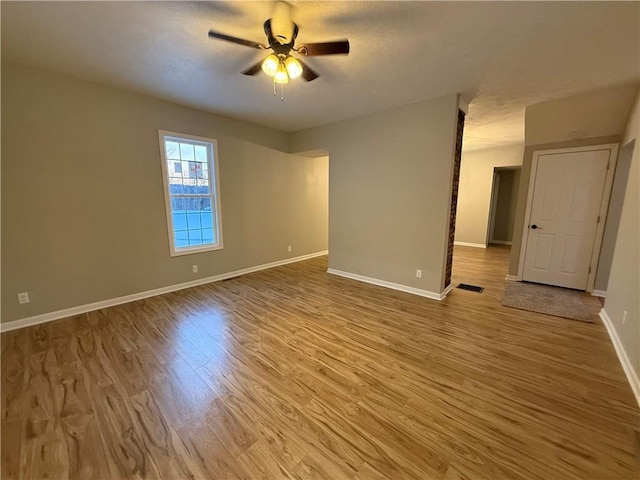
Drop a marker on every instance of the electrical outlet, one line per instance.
(418, 273)
(23, 297)
(624, 317)
(289, 248)
(194, 268)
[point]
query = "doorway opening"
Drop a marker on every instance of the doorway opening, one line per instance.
(502, 211)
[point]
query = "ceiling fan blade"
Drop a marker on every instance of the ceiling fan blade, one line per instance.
(324, 48)
(254, 69)
(307, 74)
(240, 41)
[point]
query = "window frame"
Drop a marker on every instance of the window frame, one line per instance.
(214, 188)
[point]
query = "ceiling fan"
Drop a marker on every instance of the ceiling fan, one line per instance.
(281, 34)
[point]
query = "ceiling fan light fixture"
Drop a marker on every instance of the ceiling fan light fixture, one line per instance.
(270, 65)
(294, 69)
(281, 75)
(282, 32)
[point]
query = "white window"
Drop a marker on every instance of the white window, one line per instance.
(191, 192)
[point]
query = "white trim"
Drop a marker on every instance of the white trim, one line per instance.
(602, 215)
(68, 312)
(393, 286)
(500, 242)
(629, 371)
(463, 104)
(512, 278)
(604, 204)
(599, 293)
(468, 244)
(527, 213)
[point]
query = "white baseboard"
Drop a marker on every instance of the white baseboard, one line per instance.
(68, 312)
(500, 242)
(467, 244)
(629, 371)
(446, 291)
(394, 286)
(599, 293)
(512, 278)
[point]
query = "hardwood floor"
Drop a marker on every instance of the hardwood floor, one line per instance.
(294, 373)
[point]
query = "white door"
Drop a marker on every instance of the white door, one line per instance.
(563, 221)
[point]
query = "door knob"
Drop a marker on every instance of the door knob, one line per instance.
(535, 227)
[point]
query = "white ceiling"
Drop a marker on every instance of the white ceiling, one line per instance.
(502, 56)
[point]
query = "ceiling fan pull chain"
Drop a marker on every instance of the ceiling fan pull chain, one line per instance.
(275, 91)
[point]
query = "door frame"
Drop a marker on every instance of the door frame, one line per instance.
(602, 214)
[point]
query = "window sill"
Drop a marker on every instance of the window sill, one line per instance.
(189, 251)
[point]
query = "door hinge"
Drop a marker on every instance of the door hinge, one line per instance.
(598, 219)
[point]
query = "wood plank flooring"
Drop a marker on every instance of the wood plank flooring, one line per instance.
(292, 373)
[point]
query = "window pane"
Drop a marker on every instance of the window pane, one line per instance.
(194, 204)
(203, 187)
(174, 169)
(193, 219)
(195, 237)
(184, 169)
(186, 151)
(189, 187)
(201, 153)
(205, 204)
(181, 239)
(177, 204)
(173, 150)
(206, 219)
(179, 221)
(207, 235)
(195, 170)
(175, 186)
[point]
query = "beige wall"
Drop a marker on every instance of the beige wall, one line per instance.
(83, 216)
(474, 197)
(389, 190)
(594, 114)
(600, 115)
(624, 282)
(614, 213)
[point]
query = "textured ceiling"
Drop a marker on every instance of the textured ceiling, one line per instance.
(502, 56)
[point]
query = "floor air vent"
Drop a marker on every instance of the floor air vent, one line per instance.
(471, 288)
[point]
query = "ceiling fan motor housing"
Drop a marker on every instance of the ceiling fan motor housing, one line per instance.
(277, 47)
(282, 26)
